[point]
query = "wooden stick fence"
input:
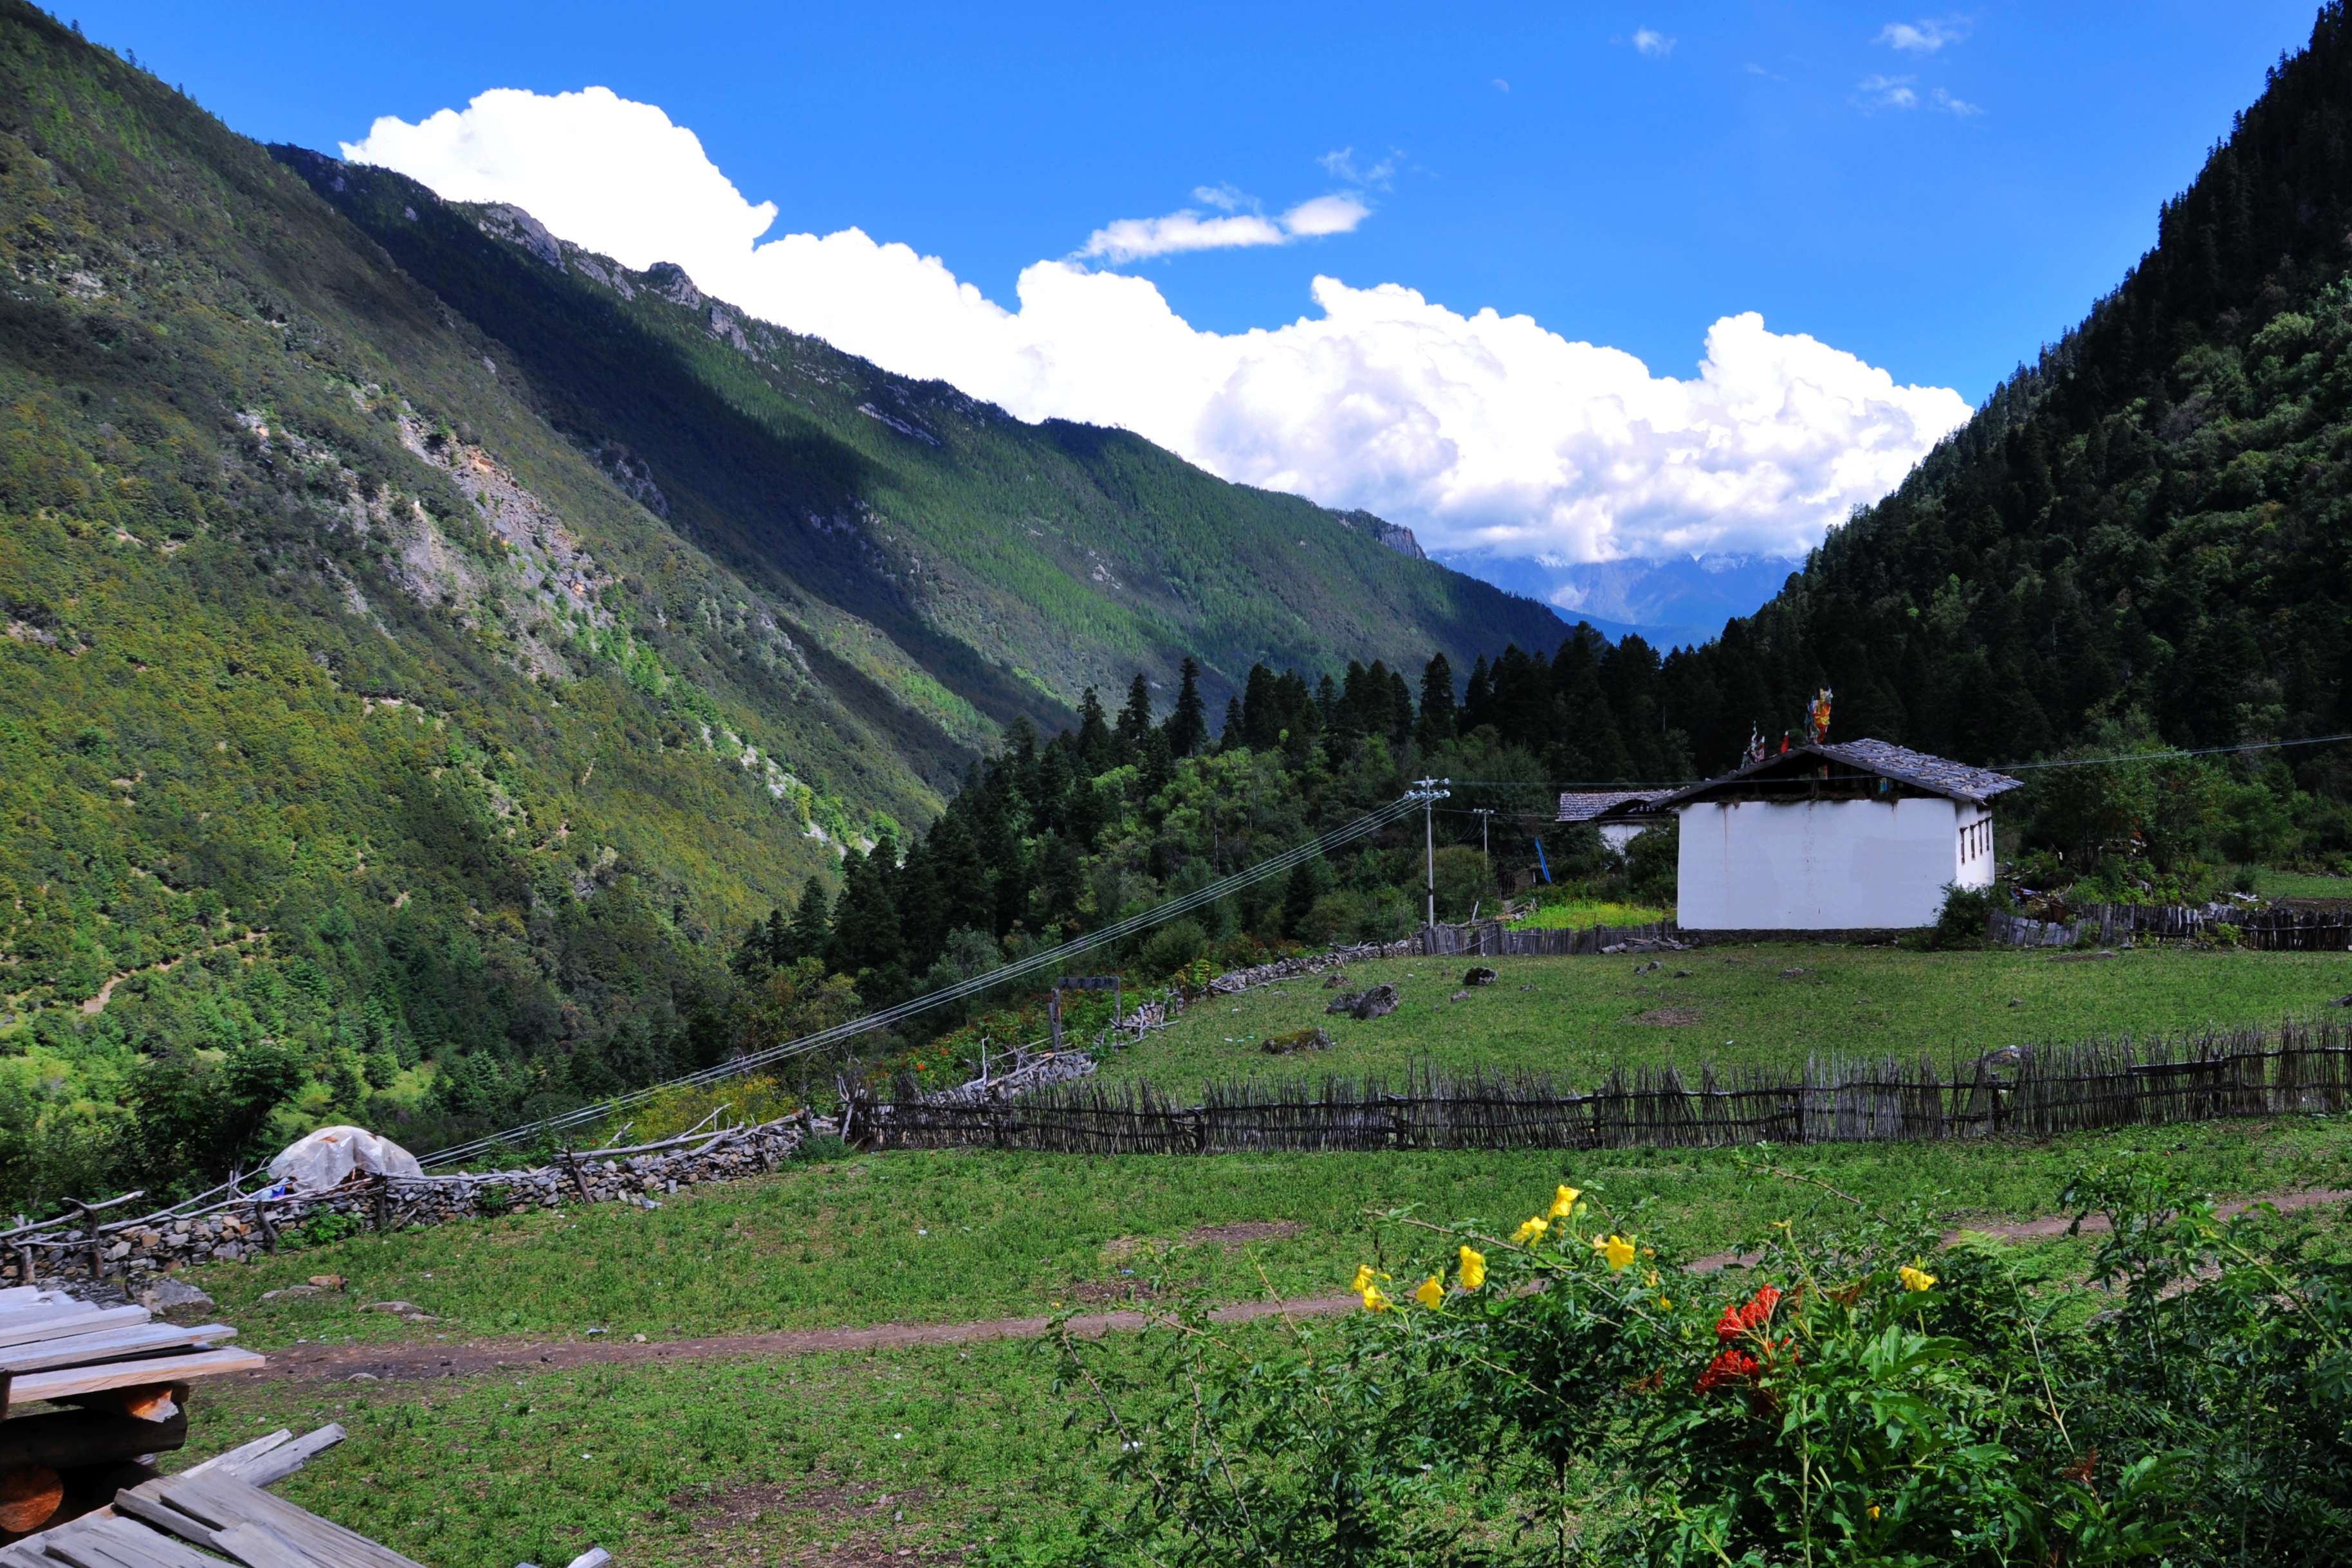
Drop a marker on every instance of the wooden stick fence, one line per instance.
(1492, 938)
(2301, 1067)
(2270, 930)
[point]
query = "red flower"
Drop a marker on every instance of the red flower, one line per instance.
(1738, 1321)
(1729, 1367)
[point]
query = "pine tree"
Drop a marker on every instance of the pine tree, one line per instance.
(1298, 894)
(1237, 728)
(812, 924)
(1261, 713)
(866, 933)
(1437, 710)
(1134, 719)
(1188, 726)
(1098, 752)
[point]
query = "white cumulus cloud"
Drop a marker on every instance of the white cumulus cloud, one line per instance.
(1924, 36)
(1653, 43)
(1138, 239)
(1886, 92)
(1485, 433)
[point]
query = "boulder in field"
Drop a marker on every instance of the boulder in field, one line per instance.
(1295, 1040)
(1479, 975)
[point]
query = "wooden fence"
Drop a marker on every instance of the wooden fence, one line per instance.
(2300, 1068)
(2272, 930)
(1492, 938)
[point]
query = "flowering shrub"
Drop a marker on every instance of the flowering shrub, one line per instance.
(1565, 1391)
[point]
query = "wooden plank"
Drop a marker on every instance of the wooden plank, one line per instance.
(67, 1382)
(118, 1543)
(237, 1456)
(223, 1502)
(258, 1546)
(113, 1344)
(140, 1504)
(172, 1553)
(80, 1320)
(274, 1465)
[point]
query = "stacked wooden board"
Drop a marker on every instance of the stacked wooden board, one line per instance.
(214, 1511)
(127, 1373)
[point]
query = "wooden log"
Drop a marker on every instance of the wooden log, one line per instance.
(68, 1439)
(28, 1495)
(153, 1403)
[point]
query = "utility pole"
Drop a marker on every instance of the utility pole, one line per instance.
(1427, 792)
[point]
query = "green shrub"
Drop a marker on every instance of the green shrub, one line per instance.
(1962, 923)
(821, 1149)
(1861, 1395)
(1173, 949)
(326, 1229)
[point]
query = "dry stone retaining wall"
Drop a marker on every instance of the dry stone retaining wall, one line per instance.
(240, 1228)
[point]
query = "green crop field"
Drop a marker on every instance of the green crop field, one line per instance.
(1737, 1007)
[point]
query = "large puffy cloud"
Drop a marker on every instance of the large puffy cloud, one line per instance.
(1488, 433)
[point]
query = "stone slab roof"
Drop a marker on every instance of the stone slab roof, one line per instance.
(1590, 805)
(1934, 775)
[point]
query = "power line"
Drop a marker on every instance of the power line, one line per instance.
(1051, 958)
(2172, 752)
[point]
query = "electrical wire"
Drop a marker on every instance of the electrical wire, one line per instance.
(1051, 958)
(2167, 755)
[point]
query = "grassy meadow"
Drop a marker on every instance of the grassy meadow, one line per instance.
(857, 1456)
(1736, 1006)
(930, 1451)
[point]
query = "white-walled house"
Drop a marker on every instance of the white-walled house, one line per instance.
(1619, 814)
(1856, 835)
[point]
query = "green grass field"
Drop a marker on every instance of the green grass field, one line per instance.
(856, 1458)
(949, 1237)
(1578, 1017)
(931, 1451)
(852, 1457)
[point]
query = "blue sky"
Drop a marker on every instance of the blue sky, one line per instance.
(1932, 193)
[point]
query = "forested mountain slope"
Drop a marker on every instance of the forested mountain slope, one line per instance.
(1013, 564)
(400, 722)
(2147, 528)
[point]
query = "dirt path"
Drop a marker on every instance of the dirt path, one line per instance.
(407, 1363)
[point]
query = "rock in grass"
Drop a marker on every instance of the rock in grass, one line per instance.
(1375, 1003)
(1337, 979)
(1295, 1040)
(172, 1295)
(1479, 975)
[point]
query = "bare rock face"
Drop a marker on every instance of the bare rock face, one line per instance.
(1296, 1041)
(502, 220)
(1378, 1002)
(669, 280)
(1480, 974)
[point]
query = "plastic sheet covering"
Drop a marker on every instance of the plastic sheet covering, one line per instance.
(323, 1158)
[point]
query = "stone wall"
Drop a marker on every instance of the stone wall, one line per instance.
(241, 1227)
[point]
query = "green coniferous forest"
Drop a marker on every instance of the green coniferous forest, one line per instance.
(451, 677)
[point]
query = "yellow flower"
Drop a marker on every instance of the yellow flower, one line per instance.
(1615, 1250)
(1474, 1270)
(1653, 1281)
(1915, 1278)
(1364, 1278)
(1532, 1230)
(1432, 1292)
(1563, 1203)
(1373, 1300)
(1874, 1511)
(1665, 1304)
